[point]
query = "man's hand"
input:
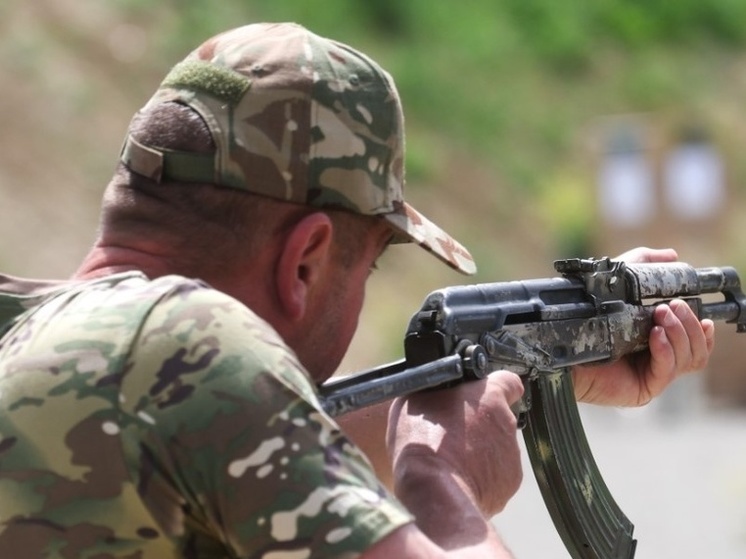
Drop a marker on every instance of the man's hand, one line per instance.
(466, 434)
(679, 343)
(456, 462)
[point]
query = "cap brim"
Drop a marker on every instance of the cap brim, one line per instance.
(412, 226)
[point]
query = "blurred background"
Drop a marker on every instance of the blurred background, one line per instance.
(536, 130)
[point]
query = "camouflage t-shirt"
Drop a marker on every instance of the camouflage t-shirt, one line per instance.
(162, 419)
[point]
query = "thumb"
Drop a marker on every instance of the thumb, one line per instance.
(509, 383)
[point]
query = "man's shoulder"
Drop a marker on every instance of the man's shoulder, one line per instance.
(201, 349)
(177, 311)
(128, 300)
(17, 295)
(130, 313)
(182, 305)
(164, 301)
(189, 318)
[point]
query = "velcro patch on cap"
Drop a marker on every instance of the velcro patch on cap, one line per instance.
(198, 75)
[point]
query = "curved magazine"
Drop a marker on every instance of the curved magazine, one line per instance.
(590, 523)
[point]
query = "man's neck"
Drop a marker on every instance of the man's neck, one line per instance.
(107, 260)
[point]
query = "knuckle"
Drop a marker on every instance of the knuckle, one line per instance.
(699, 363)
(512, 421)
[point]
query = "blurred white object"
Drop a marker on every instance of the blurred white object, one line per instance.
(694, 181)
(626, 179)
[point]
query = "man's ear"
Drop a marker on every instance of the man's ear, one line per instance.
(304, 255)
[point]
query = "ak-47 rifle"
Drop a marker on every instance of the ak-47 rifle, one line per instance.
(598, 311)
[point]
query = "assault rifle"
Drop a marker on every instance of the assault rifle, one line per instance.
(598, 311)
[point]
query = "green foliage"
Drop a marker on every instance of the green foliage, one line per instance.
(641, 23)
(462, 65)
(509, 82)
(557, 33)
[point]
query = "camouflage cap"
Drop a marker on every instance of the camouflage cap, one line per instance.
(300, 118)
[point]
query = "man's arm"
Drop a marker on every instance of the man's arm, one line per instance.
(409, 542)
(366, 427)
(456, 463)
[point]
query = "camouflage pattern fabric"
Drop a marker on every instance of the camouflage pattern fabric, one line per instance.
(300, 118)
(163, 419)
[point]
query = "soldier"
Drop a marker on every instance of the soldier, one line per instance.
(162, 402)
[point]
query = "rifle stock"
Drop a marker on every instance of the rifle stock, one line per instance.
(598, 311)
